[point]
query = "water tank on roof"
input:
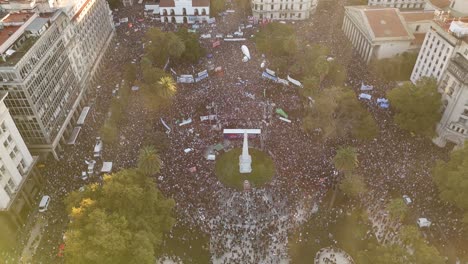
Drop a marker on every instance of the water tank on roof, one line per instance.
(459, 28)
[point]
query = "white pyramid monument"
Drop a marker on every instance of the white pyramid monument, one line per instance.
(245, 160)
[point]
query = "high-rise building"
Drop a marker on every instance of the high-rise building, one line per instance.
(48, 61)
(444, 56)
(283, 9)
(453, 86)
(19, 180)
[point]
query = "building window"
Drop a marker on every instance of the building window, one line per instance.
(12, 155)
(11, 185)
(261, 8)
(8, 191)
(281, 7)
(272, 7)
(300, 7)
(417, 27)
(299, 15)
(464, 53)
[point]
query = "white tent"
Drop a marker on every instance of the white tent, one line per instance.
(424, 222)
(106, 167)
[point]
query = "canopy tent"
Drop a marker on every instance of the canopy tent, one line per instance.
(106, 167)
(83, 115)
(365, 96)
(366, 87)
(74, 136)
(281, 112)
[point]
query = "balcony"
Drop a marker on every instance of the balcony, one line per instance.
(458, 67)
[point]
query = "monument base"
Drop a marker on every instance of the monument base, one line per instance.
(245, 164)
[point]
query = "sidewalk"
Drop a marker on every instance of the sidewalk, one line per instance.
(33, 241)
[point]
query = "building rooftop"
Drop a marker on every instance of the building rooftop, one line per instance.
(37, 24)
(380, 23)
(7, 32)
(444, 21)
(441, 4)
(166, 3)
(418, 16)
(418, 39)
(200, 3)
(12, 18)
(386, 23)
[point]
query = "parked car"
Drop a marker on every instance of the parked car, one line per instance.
(44, 203)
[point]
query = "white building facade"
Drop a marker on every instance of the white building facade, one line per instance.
(437, 49)
(453, 125)
(283, 9)
(184, 11)
(18, 180)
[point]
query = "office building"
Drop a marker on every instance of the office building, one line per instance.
(48, 61)
(19, 179)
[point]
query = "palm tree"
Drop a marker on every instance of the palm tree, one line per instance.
(346, 159)
(149, 161)
(167, 87)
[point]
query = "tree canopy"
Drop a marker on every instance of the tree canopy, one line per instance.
(335, 111)
(192, 51)
(415, 250)
(346, 159)
(417, 106)
(216, 6)
(397, 68)
(353, 185)
(120, 221)
(451, 179)
(422, 252)
(276, 39)
(158, 87)
(160, 46)
(397, 209)
(149, 161)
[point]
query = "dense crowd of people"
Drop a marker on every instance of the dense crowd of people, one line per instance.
(253, 226)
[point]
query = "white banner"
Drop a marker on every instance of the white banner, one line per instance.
(272, 73)
(283, 81)
(208, 117)
(295, 82)
(185, 79)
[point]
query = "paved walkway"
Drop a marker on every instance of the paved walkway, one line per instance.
(33, 241)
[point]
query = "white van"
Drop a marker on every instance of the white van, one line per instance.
(44, 203)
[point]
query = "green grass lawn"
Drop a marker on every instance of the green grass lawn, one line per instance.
(227, 169)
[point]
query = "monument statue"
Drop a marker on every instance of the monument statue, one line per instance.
(245, 160)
